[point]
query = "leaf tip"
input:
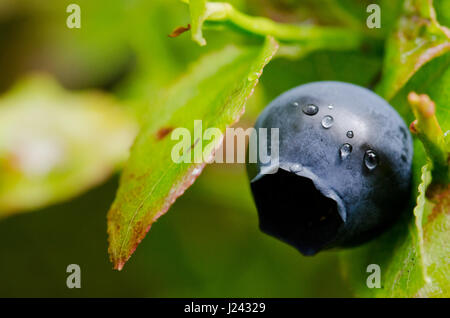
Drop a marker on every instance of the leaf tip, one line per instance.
(119, 265)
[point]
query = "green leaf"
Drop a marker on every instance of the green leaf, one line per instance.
(432, 79)
(443, 11)
(92, 56)
(417, 39)
(55, 144)
(413, 256)
(215, 91)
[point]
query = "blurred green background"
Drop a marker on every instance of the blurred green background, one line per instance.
(208, 244)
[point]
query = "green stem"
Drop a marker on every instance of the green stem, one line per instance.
(427, 129)
(334, 38)
(315, 37)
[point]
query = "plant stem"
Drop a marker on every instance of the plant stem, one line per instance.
(315, 37)
(323, 36)
(427, 129)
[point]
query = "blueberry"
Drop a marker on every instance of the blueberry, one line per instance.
(343, 172)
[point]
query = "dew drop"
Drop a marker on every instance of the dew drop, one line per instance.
(296, 167)
(327, 122)
(330, 106)
(295, 104)
(350, 134)
(345, 150)
(310, 109)
(371, 160)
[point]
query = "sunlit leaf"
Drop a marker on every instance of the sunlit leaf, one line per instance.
(215, 91)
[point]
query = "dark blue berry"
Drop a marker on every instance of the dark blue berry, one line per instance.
(344, 167)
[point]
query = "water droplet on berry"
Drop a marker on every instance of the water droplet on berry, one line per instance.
(345, 150)
(295, 104)
(330, 106)
(371, 160)
(327, 122)
(310, 109)
(350, 134)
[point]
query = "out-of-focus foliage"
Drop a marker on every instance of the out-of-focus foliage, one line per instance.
(55, 144)
(34, 36)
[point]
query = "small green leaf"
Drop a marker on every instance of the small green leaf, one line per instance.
(215, 91)
(418, 39)
(55, 144)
